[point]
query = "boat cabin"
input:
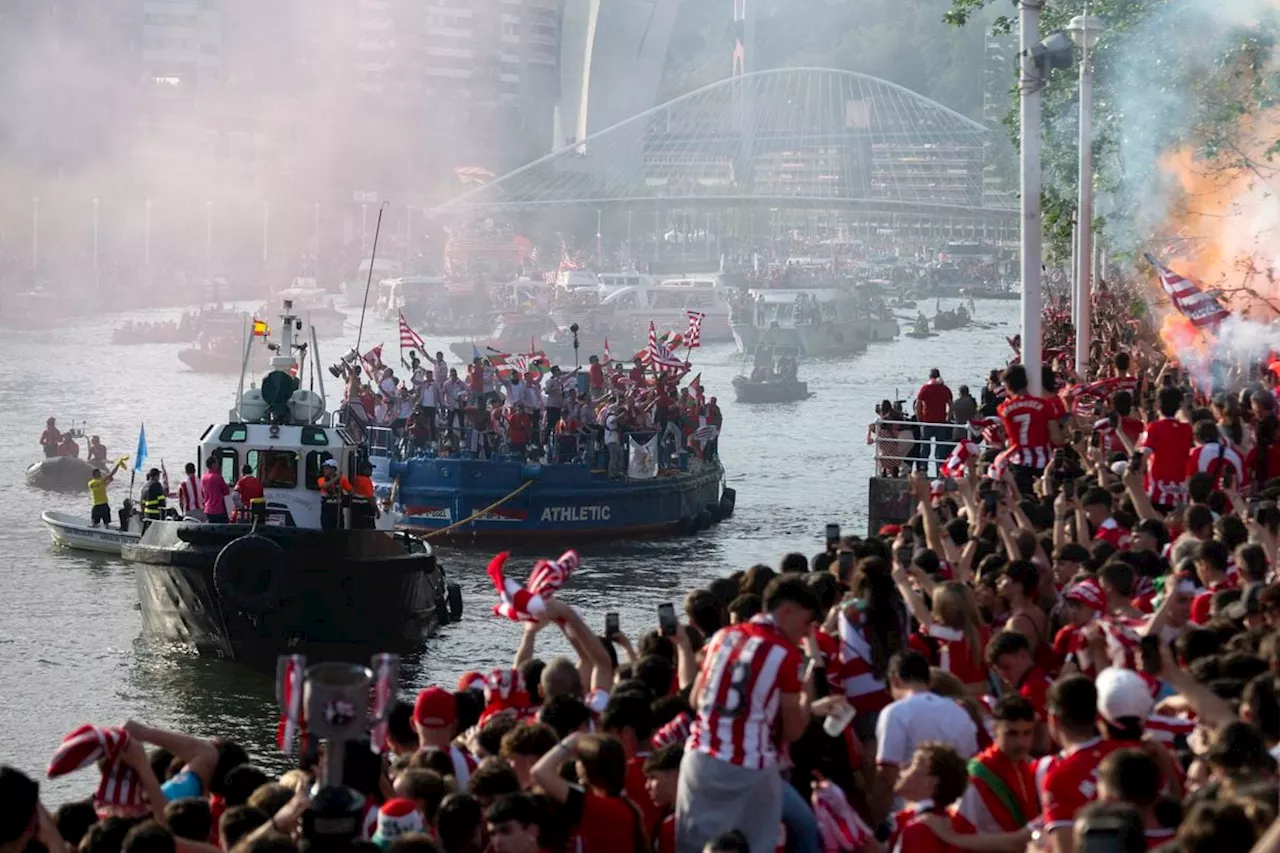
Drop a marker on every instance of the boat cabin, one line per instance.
(287, 458)
(790, 308)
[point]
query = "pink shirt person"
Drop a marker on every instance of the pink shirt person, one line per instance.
(215, 492)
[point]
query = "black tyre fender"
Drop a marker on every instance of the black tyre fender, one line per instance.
(455, 602)
(702, 521)
(728, 500)
(247, 573)
(713, 509)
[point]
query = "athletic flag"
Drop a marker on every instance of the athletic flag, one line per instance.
(141, 455)
(608, 356)
(965, 450)
(409, 339)
(260, 328)
(1198, 306)
(695, 385)
(693, 337)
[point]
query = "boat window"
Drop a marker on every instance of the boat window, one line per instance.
(228, 463)
(315, 435)
(277, 469)
(234, 432)
(314, 458)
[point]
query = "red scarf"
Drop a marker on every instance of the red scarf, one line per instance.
(1008, 789)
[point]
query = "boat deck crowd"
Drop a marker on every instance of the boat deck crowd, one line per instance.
(526, 407)
(1074, 643)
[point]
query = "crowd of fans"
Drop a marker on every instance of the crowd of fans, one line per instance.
(1073, 643)
(527, 407)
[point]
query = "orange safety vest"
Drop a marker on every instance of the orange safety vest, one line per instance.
(362, 488)
(333, 490)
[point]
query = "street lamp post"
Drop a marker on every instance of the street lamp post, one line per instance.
(599, 240)
(1030, 83)
(1085, 30)
(266, 230)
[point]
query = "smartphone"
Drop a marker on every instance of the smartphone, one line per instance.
(833, 534)
(611, 625)
(1069, 489)
(904, 554)
(845, 563)
(1076, 437)
(1228, 475)
(667, 619)
(1150, 652)
(990, 501)
(1139, 461)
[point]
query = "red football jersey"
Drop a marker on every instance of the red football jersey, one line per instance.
(1026, 421)
(745, 671)
(1169, 442)
(1069, 781)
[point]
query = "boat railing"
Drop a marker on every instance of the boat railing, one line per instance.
(900, 445)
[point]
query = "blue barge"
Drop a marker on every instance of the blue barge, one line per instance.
(506, 498)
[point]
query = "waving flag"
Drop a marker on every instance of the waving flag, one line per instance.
(958, 461)
(607, 355)
(372, 359)
(141, 456)
(82, 748)
(658, 356)
(528, 603)
(1201, 308)
(693, 337)
(409, 339)
(260, 328)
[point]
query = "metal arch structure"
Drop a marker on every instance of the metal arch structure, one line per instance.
(798, 138)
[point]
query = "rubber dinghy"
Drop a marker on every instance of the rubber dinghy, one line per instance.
(60, 474)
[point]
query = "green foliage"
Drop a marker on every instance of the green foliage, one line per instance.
(1168, 74)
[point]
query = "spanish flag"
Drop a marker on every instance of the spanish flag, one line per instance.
(260, 328)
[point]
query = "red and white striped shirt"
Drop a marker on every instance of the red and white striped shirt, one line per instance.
(744, 673)
(865, 692)
(1210, 459)
(189, 496)
(1026, 421)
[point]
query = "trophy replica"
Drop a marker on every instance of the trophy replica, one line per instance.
(334, 703)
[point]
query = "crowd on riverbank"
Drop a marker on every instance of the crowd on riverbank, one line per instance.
(1073, 642)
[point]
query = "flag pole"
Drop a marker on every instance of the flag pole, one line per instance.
(373, 256)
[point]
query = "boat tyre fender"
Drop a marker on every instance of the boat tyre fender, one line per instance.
(455, 601)
(728, 499)
(713, 510)
(246, 573)
(702, 521)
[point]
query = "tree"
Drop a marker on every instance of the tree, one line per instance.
(1169, 75)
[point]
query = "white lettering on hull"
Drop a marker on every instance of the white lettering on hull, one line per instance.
(598, 512)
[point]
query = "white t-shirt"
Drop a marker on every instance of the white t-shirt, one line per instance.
(921, 717)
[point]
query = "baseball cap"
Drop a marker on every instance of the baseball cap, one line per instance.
(398, 816)
(1088, 593)
(435, 708)
(472, 680)
(1122, 693)
(1249, 603)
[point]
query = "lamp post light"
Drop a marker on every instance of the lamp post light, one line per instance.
(208, 239)
(1036, 60)
(146, 233)
(1085, 30)
(95, 204)
(35, 233)
(599, 240)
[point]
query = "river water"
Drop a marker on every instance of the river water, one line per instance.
(71, 649)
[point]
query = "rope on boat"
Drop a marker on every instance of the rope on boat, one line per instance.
(526, 484)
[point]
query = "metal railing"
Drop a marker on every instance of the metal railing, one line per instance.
(899, 454)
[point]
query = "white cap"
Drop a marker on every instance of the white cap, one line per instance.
(1123, 693)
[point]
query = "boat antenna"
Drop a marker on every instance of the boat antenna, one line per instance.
(244, 365)
(373, 255)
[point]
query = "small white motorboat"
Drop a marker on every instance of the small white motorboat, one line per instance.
(72, 531)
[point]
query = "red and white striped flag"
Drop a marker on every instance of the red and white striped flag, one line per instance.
(1198, 306)
(956, 464)
(409, 339)
(82, 748)
(528, 603)
(658, 355)
(608, 356)
(693, 337)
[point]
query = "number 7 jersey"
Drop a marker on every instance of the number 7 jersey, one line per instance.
(1026, 422)
(745, 671)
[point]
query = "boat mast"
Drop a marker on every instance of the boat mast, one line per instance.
(244, 367)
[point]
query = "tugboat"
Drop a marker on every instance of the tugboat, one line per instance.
(773, 377)
(250, 592)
